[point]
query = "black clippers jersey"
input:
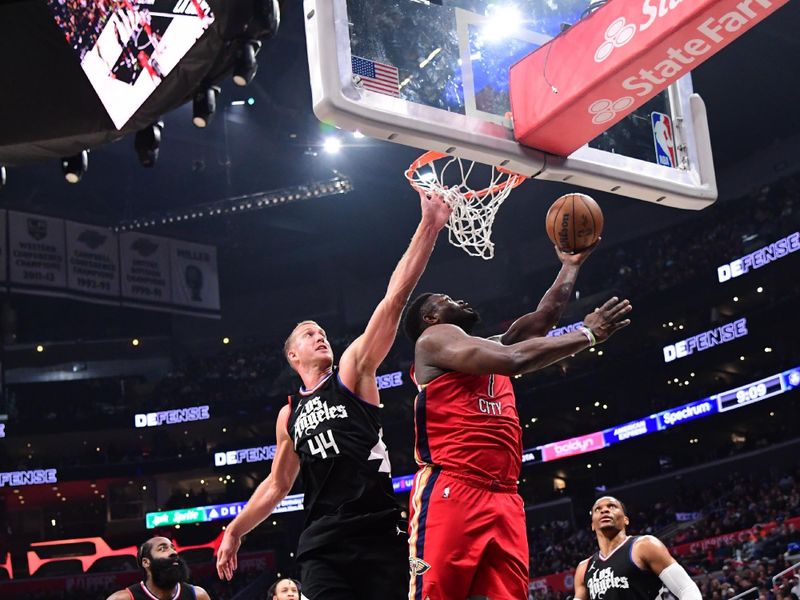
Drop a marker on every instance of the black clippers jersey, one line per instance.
(344, 464)
(617, 577)
(139, 591)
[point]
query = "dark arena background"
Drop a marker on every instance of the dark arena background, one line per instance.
(143, 310)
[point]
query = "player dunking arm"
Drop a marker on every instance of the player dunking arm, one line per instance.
(467, 527)
(351, 546)
(628, 567)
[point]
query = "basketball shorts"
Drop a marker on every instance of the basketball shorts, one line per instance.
(358, 567)
(465, 540)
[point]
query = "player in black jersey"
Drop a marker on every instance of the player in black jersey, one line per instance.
(164, 575)
(628, 567)
(352, 546)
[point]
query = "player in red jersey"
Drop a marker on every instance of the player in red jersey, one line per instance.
(467, 524)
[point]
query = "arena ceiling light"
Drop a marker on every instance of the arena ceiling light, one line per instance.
(246, 63)
(339, 184)
(74, 167)
(146, 143)
(332, 145)
(204, 105)
(503, 22)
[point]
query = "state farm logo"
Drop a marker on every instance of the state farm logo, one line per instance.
(605, 110)
(617, 35)
(620, 32)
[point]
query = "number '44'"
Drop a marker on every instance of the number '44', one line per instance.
(322, 442)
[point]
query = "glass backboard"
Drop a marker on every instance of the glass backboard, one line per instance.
(434, 75)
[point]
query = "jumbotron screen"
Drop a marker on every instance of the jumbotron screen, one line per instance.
(127, 47)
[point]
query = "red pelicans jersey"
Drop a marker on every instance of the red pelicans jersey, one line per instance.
(469, 424)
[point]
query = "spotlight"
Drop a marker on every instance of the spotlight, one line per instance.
(204, 105)
(74, 167)
(246, 63)
(2, 176)
(332, 145)
(146, 143)
(269, 12)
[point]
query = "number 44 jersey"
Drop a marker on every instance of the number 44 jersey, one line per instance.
(344, 464)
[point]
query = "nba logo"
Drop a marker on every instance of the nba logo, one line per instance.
(663, 139)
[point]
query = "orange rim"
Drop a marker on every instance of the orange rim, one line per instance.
(513, 179)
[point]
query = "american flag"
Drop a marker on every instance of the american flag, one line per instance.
(377, 77)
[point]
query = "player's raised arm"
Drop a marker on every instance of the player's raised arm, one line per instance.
(548, 312)
(654, 555)
(269, 493)
(360, 361)
(447, 347)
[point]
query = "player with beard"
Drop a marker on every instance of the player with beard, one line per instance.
(467, 523)
(351, 545)
(628, 567)
(165, 575)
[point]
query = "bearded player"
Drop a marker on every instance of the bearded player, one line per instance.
(164, 575)
(351, 546)
(467, 528)
(628, 567)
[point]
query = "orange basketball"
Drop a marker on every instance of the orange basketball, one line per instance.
(574, 222)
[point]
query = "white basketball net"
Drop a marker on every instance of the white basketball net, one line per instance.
(470, 224)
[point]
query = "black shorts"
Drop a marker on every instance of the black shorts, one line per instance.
(373, 567)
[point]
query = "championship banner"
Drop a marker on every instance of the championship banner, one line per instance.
(127, 47)
(37, 255)
(608, 64)
(92, 260)
(145, 268)
(3, 246)
(195, 281)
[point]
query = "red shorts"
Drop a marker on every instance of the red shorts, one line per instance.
(465, 540)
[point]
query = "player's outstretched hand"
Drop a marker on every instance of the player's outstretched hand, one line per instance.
(226, 556)
(435, 210)
(606, 320)
(576, 258)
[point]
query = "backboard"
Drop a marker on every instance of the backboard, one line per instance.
(434, 75)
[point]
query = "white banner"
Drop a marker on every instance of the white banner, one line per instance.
(145, 267)
(36, 248)
(3, 246)
(195, 282)
(92, 259)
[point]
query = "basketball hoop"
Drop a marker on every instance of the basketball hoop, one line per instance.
(470, 224)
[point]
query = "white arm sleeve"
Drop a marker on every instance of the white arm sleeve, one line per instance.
(679, 583)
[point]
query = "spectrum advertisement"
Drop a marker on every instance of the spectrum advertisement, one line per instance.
(736, 398)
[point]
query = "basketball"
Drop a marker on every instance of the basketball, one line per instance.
(574, 222)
